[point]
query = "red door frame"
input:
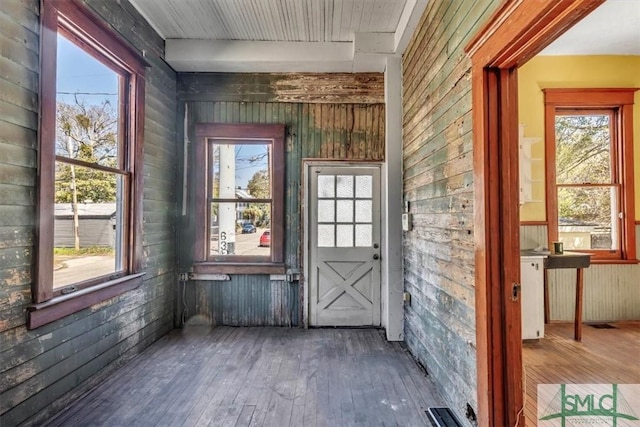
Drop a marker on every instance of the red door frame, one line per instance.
(516, 32)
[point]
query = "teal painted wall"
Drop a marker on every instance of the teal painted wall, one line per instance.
(340, 131)
(438, 184)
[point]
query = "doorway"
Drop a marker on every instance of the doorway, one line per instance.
(513, 35)
(344, 245)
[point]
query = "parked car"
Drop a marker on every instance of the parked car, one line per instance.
(248, 228)
(265, 238)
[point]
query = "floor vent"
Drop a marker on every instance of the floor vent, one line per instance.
(602, 326)
(442, 417)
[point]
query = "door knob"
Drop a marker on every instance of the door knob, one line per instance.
(376, 256)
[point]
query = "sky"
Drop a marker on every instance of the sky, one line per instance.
(93, 82)
(78, 72)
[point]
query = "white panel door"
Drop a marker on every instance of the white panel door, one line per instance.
(344, 220)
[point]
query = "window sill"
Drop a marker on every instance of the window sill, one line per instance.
(239, 268)
(64, 305)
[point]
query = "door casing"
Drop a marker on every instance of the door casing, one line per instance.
(516, 32)
(307, 165)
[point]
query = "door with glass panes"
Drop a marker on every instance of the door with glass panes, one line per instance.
(344, 238)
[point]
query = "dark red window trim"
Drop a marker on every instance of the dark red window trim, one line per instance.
(273, 134)
(83, 27)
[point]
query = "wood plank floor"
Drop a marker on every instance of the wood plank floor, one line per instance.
(604, 356)
(228, 376)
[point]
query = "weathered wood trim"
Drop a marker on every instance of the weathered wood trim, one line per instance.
(59, 307)
(551, 199)
(239, 268)
(136, 198)
(76, 18)
(517, 31)
(46, 163)
(534, 223)
(274, 134)
(313, 88)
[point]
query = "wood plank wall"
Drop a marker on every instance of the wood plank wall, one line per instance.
(610, 290)
(44, 369)
(438, 184)
(344, 126)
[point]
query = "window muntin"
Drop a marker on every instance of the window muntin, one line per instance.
(590, 196)
(345, 211)
(92, 110)
(240, 181)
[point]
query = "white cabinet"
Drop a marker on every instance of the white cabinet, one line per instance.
(532, 296)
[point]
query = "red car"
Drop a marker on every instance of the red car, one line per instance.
(265, 238)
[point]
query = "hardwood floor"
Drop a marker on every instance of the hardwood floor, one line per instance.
(262, 377)
(604, 356)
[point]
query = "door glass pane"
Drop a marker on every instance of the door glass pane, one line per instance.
(93, 200)
(583, 149)
(240, 229)
(345, 236)
(345, 211)
(363, 210)
(326, 211)
(364, 235)
(588, 217)
(364, 186)
(326, 186)
(345, 186)
(326, 236)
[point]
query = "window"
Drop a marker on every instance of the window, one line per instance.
(90, 180)
(239, 212)
(590, 196)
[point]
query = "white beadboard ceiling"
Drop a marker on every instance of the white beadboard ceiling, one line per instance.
(282, 35)
(271, 20)
(336, 35)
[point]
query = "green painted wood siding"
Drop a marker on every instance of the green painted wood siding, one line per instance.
(343, 131)
(44, 369)
(438, 184)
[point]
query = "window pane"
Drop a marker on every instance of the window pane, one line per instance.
(87, 107)
(326, 211)
(344, 211)
(345, 235)
(364, 235)
(588, 217)
(240, 229)
(326, 186)
(326, 235)
(345, 186)
(364, 186)
(240, 171)
(363, 210)
(94, 201)
(583, 149)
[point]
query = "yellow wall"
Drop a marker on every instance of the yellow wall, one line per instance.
(570, 72)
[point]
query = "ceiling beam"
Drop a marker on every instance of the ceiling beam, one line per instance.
(366, 54)
(258, 56)
(409, 20)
